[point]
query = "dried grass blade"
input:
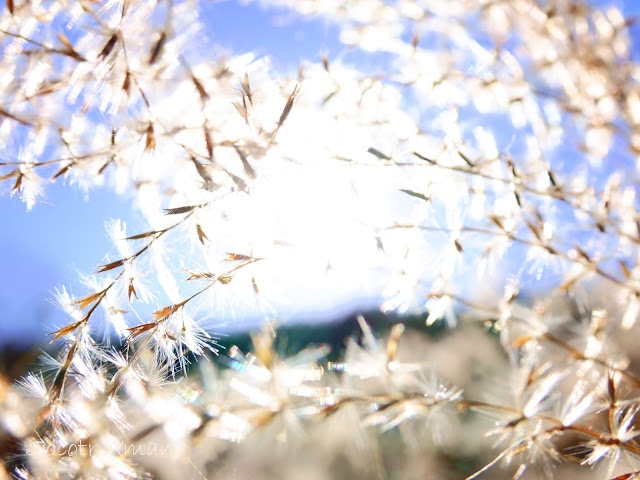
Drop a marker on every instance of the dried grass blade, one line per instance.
(58, 383)
(246, 89)
(111, 266)
(157, 48)
(150, 143)
(204, 96)
(126, 84)
(142, 235)
(415, 194)
(288, 106)
(198, 275)
(209, 141)
(108, 47)
(61, 332)
(179, 210)
(88, 300)
(201, 235)
(202, 171)
(165, 312)
(69, 46)
(131, 290)
(62, 171)
(233, 257)
(9, 175)
(140, 329)
(17, 185)
(21, 121)
(377, 153)
(422, 157)
(245, 163)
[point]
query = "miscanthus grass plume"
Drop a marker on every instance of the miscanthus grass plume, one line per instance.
(474, 162)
